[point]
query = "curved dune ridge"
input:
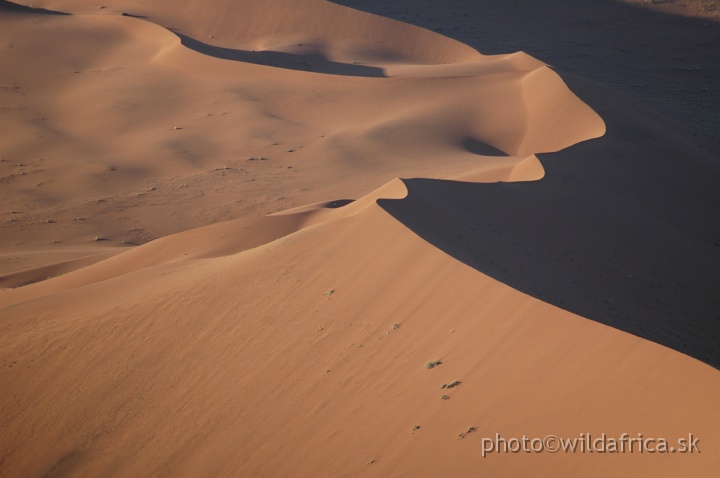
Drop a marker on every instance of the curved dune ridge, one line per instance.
(211, 266)
(112, 124)
(280, 25)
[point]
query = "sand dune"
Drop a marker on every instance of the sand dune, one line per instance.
(122, 148)
(236, 235)
(257, 360)
(641, 48)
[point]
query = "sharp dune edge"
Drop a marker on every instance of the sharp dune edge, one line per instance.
(203, 274)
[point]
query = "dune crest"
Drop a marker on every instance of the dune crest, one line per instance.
(137, 153)
(289, 349)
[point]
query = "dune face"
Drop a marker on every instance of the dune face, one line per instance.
(646, 263)
(211, 267)
(649, 50)
(150, 165)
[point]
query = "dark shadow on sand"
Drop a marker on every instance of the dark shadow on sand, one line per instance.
(623, 230)
(475, 146)
(339, 203)
(310, 62)
(669, 62)
(14, 7)
(132, 15)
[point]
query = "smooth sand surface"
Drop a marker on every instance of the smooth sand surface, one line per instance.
(233, 236)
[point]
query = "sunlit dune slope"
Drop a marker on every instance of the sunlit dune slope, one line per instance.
(288, 350)
(132, 136)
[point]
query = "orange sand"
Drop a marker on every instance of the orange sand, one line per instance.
(171, 307)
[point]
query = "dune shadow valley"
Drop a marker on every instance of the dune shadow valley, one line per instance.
(343, 238)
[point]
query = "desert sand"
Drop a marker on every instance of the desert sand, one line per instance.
(234, 235)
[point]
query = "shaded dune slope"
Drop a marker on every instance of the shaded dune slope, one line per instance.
(623, 230)
(667, 61)
(15, 7)
(306, 61)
